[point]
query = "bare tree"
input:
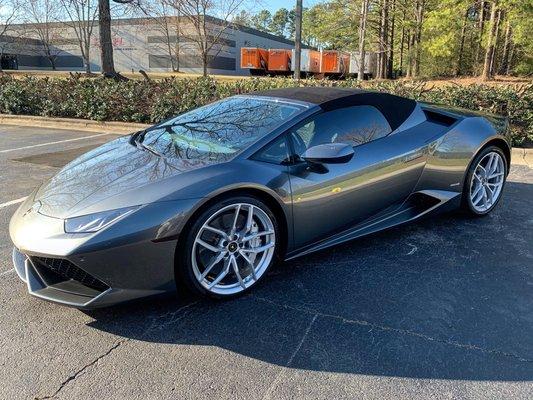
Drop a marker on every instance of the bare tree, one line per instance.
(166, 20)
(41, 17)
(204, 30)
(82, 15)
(8, 13)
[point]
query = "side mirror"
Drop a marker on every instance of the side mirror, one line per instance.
(329, 153)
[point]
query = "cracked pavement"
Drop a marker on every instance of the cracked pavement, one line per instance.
(442, 308)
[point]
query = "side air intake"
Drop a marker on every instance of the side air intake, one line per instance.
(438, 118)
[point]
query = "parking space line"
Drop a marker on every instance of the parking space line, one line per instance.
(7, 272)
(56, 142)
(13, 202)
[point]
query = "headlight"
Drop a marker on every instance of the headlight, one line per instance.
(95, 222)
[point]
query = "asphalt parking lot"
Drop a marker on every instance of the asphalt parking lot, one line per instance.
(439, 309)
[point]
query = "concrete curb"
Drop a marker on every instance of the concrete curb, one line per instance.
(519, 156)
(71, 124)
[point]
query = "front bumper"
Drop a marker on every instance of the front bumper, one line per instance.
(58, 285)
(71, 289)
(128, 260)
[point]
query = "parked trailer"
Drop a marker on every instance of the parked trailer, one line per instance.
(371, 62)
(334, 62)
(309, 62)
(255, 59)
(279, 61)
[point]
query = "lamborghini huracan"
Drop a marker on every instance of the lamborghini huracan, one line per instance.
(208, 200)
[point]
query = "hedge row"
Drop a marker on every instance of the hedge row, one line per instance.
(151, 101)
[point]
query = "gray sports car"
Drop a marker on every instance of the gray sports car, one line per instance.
(210, 199)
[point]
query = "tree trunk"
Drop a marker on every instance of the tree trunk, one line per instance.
(410, 43)
(204, 63)
(461, 46)
(362, 34)
(496, 38)
(402, 43)
(383, 35)
(297, 39)
(106, 45)
(481, 24)
(177, 46)
(510, 61)
(87, 58)
(52, 62)
(87, 67)
(489, 53)
(504, 67)
(390, 56)
(418, 37)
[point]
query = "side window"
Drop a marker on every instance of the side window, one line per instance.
(275, 152)
(353, 125)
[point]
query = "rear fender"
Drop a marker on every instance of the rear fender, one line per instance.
(450, 155)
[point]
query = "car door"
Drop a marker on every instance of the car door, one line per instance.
(330, 198)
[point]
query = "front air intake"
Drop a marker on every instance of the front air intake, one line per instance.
(67, 270)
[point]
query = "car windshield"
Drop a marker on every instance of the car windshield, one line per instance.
(220, 129)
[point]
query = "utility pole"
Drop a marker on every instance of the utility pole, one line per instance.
(298, 39)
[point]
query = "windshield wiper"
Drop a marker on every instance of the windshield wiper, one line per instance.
(137, 140)
(142, 146)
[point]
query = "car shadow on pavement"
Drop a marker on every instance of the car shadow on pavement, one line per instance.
(445, 298)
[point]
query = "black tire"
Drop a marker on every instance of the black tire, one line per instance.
(466, 202)
(184, 265)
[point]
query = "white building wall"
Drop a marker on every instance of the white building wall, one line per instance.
(134, 48)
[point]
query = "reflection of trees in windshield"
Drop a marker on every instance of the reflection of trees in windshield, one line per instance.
(218, 130)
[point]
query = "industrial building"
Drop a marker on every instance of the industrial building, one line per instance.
(138, 44)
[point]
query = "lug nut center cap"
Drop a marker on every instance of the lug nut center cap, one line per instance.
(233, 247)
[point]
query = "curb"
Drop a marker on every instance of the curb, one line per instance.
(71, 124)
(521, 156)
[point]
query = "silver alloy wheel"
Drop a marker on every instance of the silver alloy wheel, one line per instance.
(233, 248)
(487, 182)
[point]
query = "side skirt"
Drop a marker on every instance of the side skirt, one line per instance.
(417, 205)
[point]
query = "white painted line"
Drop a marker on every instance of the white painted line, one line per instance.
(57, 142)
(12, 202)
(7, 272)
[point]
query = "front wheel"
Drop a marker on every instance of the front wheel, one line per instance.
(229, 247)
(485, 181)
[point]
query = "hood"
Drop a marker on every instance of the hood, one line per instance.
(115, 168)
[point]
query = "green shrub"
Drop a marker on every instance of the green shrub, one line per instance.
(152, 101)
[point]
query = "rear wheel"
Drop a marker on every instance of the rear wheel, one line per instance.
(229, 248)
(485, 181)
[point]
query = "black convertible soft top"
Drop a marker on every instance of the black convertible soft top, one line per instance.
(396, 109)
